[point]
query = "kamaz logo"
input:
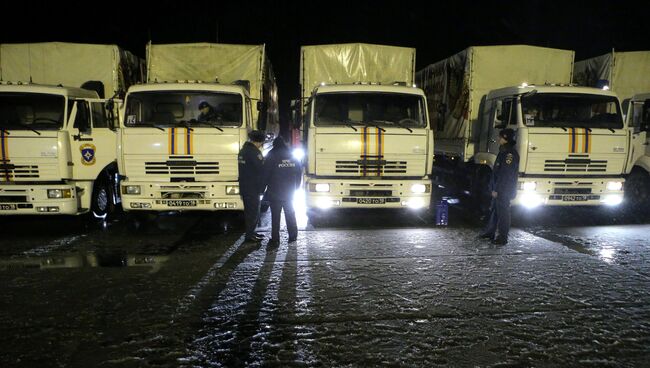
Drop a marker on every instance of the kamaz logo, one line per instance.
(371, 162)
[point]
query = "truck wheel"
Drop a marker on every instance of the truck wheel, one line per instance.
(102, 204)
(481, 196)
(637, 191)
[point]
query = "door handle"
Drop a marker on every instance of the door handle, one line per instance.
(77, 137)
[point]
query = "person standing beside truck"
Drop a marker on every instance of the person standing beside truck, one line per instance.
(251, 164)
(281, 178)
(503, 187)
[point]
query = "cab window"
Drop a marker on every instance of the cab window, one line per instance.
(504, 113)
(99, 115)
(82, 119)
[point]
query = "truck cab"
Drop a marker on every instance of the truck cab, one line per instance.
(58, 151)
(173, 159)
(368, 146)
(572, 141)
(637, 188)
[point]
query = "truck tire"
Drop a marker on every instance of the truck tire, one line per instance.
(102, 204)
(481, 196)
(637, 191)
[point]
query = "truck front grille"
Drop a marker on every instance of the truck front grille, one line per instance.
(574, 165)
(11, 172)
(371, 166)
(181, 167)
(371, 193)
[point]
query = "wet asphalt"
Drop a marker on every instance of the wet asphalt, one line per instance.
(358, 288)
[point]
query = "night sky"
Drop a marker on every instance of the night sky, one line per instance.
(436, 29)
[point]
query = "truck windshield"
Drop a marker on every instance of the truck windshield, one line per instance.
(571, 110)
(379, 109)
(183, 109)
(31, 111)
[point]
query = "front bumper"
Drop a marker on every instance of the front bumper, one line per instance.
(186, 196)
(32, 200)
(568, 192)
(351, 193)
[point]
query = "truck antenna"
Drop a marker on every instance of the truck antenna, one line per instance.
(29, 58)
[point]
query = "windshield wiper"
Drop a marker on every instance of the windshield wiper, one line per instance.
(207, 123)
(185, 125)
(348, 123)
(148, 123)
(393, 122)
(374, 125)
(32, 129)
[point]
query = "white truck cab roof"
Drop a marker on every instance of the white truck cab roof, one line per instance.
(334, 88)
(518, 90)
(73, 92)
(188, 86)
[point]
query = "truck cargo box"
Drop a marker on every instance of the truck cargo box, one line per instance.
(626, 73)
(455, 86)
(71, 65)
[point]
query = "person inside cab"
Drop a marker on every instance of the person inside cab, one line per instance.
(207, 112)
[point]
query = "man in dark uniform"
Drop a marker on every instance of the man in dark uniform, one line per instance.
(208, 113)
(281, 177)
(503, 186)
(251, 164)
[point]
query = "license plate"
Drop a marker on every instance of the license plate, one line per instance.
(7, 207)
(371, 200)
(574, 198)
(181, 203)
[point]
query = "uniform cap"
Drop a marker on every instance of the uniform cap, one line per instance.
(203, 104)
(256, 136)
(508, 135)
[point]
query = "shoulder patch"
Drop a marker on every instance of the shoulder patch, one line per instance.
(260, 157)
(509, 158)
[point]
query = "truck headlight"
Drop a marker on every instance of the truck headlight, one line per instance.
(614, 185)
(319, 187)
(131, 189)
(59, 193)
(232, 189)
(529, 186)
(420, 188)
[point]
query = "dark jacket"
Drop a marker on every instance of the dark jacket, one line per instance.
(282, 174)
(505, 173)
(211, 115)
(251, 164)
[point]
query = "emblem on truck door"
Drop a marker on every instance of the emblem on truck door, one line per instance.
(87, 154)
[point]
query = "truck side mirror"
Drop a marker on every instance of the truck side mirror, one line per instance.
(644, 127)
(261, 106)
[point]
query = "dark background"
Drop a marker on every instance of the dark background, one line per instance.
(436, 29)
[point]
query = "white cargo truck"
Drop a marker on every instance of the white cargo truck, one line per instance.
(58, 141)
(365, 127)
(627, 74)
(170, 157)
(572, 141)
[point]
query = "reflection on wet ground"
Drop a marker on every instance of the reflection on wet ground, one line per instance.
(358, 288)
(80, 260)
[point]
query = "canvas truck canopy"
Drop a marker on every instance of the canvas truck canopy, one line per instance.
(71, 65)
(626, 73)
(220, 63)
(354, 62)
(455, 86)
(208, 62)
